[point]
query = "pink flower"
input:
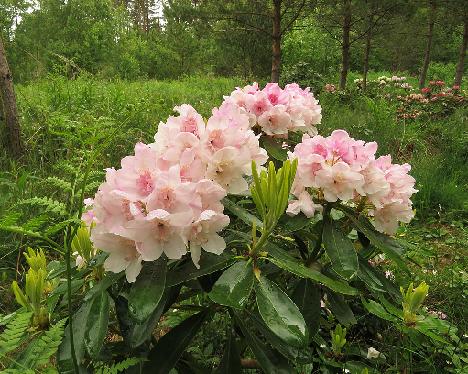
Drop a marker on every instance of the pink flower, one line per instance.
(278, 111)
(160, 232)
(387, 217)
(275, 121)
(122, 254)
(303, 204)
(227, 167)
(338, 181)
(203, 234)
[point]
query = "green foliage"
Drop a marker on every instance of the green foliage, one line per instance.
(302, 262)
(15, 331)
(21, 353)
(118, 367)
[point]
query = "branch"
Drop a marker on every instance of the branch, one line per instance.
(295, 17)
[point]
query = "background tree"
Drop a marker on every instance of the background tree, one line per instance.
(431, 14)
(8, 101)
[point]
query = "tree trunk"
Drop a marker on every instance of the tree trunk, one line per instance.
(345, 43)
(276, 42)
(461, 56)
(366, 57)
(427, 54)
(370, 21)
(7, 93)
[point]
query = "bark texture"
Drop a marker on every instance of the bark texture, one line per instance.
(427, 53)
(8, 98)
(276, 42)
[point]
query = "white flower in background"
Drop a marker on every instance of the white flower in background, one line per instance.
(372, 353)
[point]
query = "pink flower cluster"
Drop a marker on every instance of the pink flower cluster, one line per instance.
(278, 111)
(167, 197)
(341, 168)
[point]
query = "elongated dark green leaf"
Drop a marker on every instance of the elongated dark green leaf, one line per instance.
(434, 336)
(104, 284)
(386, 244)
(270, 361)
(378, 310)
(306, 296)
(391, 308)
(79, 321)
(165, 354)
(274, 148)
(340, 250)
(280, 314)
(241, 213)
(135, 334)
(230, 363)
(300, 355)
(284, 261)
(367, 274)
(96, 325)
(146, 292)
(209, 263)
(340, 309)
(289, 224)
(234, 286)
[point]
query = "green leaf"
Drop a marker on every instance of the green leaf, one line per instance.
(274, 148)
(234, 286)
(230, 363)
(341, 309)
(289, 224)
(270, 361)
(168, 350)
(242, 213)
(367, 274)
(378, 310)
(284, 261)
(79, 321)
(306, 296)
(96, 326)
(383, 242)
(146, 292)
(135, 334)
(280, 314)
(300, 355)
(103, 285)
(209, 263)
(340, 249)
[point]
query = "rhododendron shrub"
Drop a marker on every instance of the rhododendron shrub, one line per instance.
(166, 198)
(341, 168)
(280, 248)
(278, 111)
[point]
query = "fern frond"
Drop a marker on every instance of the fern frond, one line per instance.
(10, 219)
(34, 224)
(13, 335)
(59, 183)
(46, 203)
(54, 229)
(92, 187)
(119, 366)
(42, 348)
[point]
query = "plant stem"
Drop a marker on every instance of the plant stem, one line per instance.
(70, 322)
